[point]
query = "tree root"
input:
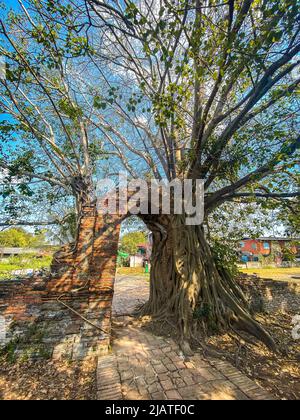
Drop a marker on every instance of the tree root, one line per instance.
(187, 286)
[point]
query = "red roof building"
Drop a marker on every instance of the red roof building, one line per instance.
(252, 249)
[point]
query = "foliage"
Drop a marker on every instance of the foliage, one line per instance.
(290, 217)
(130, 242)
(215, 89)
(187, 89)
(288, 254)
(270, 259)
(20, 238)
(225, 255)
(123, 259)
(48, 149)
(23, 262)
(27, 346)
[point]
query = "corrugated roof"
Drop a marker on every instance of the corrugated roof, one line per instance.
(16, 251)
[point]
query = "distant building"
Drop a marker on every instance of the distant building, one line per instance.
(143, 254)
(252, 250)
(12, 252)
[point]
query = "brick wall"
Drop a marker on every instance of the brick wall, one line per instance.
(73, 307)
(20, 305)
(271, 296)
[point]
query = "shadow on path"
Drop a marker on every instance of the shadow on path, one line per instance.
(143, 366)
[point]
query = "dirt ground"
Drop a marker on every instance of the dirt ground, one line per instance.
(277, 373)
(47, 380)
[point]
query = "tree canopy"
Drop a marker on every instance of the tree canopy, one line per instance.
(188, 89)
(130, 242)
(19, 238)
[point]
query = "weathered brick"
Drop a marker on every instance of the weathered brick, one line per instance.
(173, 395)
(167, 385)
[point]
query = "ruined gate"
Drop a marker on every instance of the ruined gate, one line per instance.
(82, 284)
(72, 309)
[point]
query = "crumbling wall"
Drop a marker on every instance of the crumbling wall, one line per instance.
(72, 308)
(271, 296)
(21, 302)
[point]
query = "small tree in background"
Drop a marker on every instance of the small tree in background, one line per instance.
(130, 242)
(19, 238)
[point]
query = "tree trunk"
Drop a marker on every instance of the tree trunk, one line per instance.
(188, 289)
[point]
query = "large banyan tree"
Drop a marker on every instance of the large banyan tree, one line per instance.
(167, 90)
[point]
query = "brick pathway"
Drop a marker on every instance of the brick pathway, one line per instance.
(143, 366)
(130, 292)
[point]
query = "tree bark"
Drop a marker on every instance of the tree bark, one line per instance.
(188, 289)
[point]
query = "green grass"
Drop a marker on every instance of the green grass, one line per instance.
(272, 270)
(130, 271)
(23, 262)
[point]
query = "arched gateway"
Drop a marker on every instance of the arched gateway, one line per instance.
(82, 279)
(67, 315)
(74, 307)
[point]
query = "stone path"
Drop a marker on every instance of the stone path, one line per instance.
(130, 292)
(143, 366)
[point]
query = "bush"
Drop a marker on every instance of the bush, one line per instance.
(130, 242)
(225, 255)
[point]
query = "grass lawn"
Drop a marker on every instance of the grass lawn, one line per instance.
(130, 271)
(25, 262)
(283, 274)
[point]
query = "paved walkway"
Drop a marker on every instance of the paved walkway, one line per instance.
(130, 292)
(143, 366)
